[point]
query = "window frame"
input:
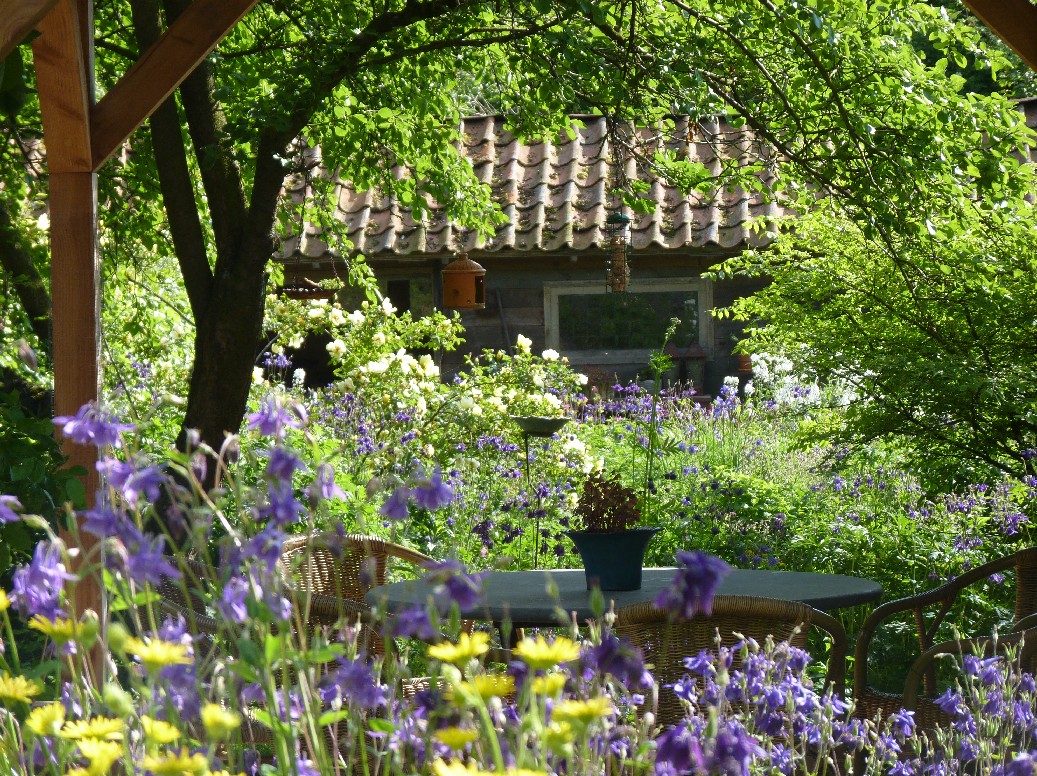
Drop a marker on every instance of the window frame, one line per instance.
(553, 290)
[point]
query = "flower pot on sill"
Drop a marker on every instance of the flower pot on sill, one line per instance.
(613, 561)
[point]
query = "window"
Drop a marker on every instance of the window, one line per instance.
(588, 325)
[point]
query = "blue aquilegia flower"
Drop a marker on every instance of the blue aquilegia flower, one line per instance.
(451, 584)
(432, 493)
(324, 486)
(93, 425)
(36, 588)
(274, 417)
(8, 505)
(354, 683)
(691, 592)
(395, 507)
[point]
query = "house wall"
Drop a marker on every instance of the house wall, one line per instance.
(515, 304)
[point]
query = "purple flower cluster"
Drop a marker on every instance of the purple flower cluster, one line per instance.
(36, 588)
(429, 493)
(693, 587)
(452, 584)
(93, 425)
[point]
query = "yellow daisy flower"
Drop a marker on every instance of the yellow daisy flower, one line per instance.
(5, 602)
(466, 648)
(456, 738)
(183, 763)
(219, 722)
(581, 712)
(101, 728)
(18, 688)
(548, 684)
(101, 754)
(158, 731)
(156, 654)
(540, 655)
(46, 720)
(456, 768)
(61, 630)
(491, 685)
(558, 736)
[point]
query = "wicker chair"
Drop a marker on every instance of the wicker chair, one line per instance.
(331, 573)
(665, 644)
(939, 601)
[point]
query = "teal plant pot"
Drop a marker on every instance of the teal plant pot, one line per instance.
(613, 561)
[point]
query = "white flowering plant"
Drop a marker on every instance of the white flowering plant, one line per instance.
(522, 383)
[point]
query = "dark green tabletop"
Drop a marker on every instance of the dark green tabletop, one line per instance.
(523, 596)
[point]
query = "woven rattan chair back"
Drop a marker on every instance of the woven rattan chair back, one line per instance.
(929, 611)
(331, 573)
(666, 643)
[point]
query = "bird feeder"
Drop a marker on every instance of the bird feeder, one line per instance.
(617, 258)
(464, 284)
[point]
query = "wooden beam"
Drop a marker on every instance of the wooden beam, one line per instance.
(64, 83)
(1014, 21)
(76, 316)
(160, 70)
(17, 19)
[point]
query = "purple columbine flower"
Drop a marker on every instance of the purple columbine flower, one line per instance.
(274, 418)
(433, 493)
(36, 588)
(619, 658)
(131, 479)
(7, 506)
(452, 585)
(413, 622)
(283, 464)
(282, 507)
(691, 592)
(324, 486)
(103, 521)
(148, 563)
(232, 602)
(673, 750)
(93, 426)
(395, 507)
(355, 683)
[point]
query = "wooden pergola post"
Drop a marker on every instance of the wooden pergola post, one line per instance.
(80, 136)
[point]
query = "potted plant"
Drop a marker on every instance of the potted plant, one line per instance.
(610, 542)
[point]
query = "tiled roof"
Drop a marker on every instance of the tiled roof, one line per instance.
(556, 196)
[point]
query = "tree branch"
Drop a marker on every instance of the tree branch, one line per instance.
(221, 177)
(174, 176)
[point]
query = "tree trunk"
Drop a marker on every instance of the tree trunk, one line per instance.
(226, 342)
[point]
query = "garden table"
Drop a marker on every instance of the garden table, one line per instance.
(522, 598)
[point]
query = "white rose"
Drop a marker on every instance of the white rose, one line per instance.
(387, 307)
(378, 338)
(315, 312)
(581, 379)
(295, 342)
(466, 403)
(523, 343)
(336, 317)
(257, 374)
(336, 348)
(549, 355)
(378, 367)
(356, 317)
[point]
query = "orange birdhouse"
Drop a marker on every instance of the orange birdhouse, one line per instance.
(464, 284)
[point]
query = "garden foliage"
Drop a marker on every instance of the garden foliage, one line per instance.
(261, 691)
